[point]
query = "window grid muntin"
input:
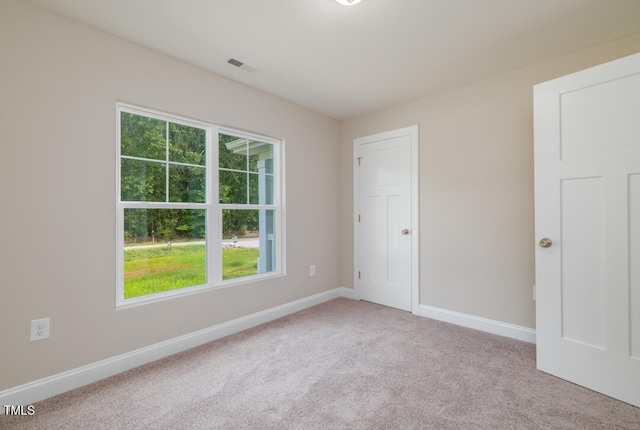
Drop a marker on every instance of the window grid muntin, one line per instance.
(276, 169)
(168, 119)
(166, 156)
(128, 157)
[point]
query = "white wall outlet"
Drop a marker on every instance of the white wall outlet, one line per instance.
(40, 329)
(312, 270)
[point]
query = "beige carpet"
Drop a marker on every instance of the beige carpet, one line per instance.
(340, 365)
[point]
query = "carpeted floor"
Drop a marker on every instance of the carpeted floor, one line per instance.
(340, 365)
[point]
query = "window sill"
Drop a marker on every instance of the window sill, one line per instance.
(187, 291)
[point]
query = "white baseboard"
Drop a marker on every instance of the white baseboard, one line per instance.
(44, 388)
(483, 324)
(347, 293)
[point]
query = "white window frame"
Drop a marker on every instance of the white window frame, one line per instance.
(211, 205)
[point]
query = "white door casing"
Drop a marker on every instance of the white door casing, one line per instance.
(386, 234)
(587, 201)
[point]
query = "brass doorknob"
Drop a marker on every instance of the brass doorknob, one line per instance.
(405, 231)
(545, 242)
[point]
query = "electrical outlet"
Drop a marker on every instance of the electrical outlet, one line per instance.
(40, 329)
(312, 270)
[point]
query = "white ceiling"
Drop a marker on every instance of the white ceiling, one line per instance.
(347, 61)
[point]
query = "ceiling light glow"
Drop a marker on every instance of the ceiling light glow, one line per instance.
(348, 2)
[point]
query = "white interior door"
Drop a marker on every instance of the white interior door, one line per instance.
(587, 196)
(386, 218)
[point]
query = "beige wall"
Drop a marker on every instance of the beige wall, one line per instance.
(476, 186)
(59, 82)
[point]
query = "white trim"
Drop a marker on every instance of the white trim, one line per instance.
(415, 218)
(56, 384)
(347, 293)
(249, 135)
(414, 133)
(478, 323)
(356, 218)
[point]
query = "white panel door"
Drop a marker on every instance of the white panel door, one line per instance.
(385, 231)
(587, 198)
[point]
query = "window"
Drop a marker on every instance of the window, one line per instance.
(198, 206)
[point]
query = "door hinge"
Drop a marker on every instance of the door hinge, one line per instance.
(358, 274)
(358, 217)
(359, 158)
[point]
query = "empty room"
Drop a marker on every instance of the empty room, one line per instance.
(320, 214)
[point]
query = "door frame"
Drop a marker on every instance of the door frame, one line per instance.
(413, 133)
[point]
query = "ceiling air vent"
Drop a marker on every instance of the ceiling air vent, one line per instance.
(241, 65)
